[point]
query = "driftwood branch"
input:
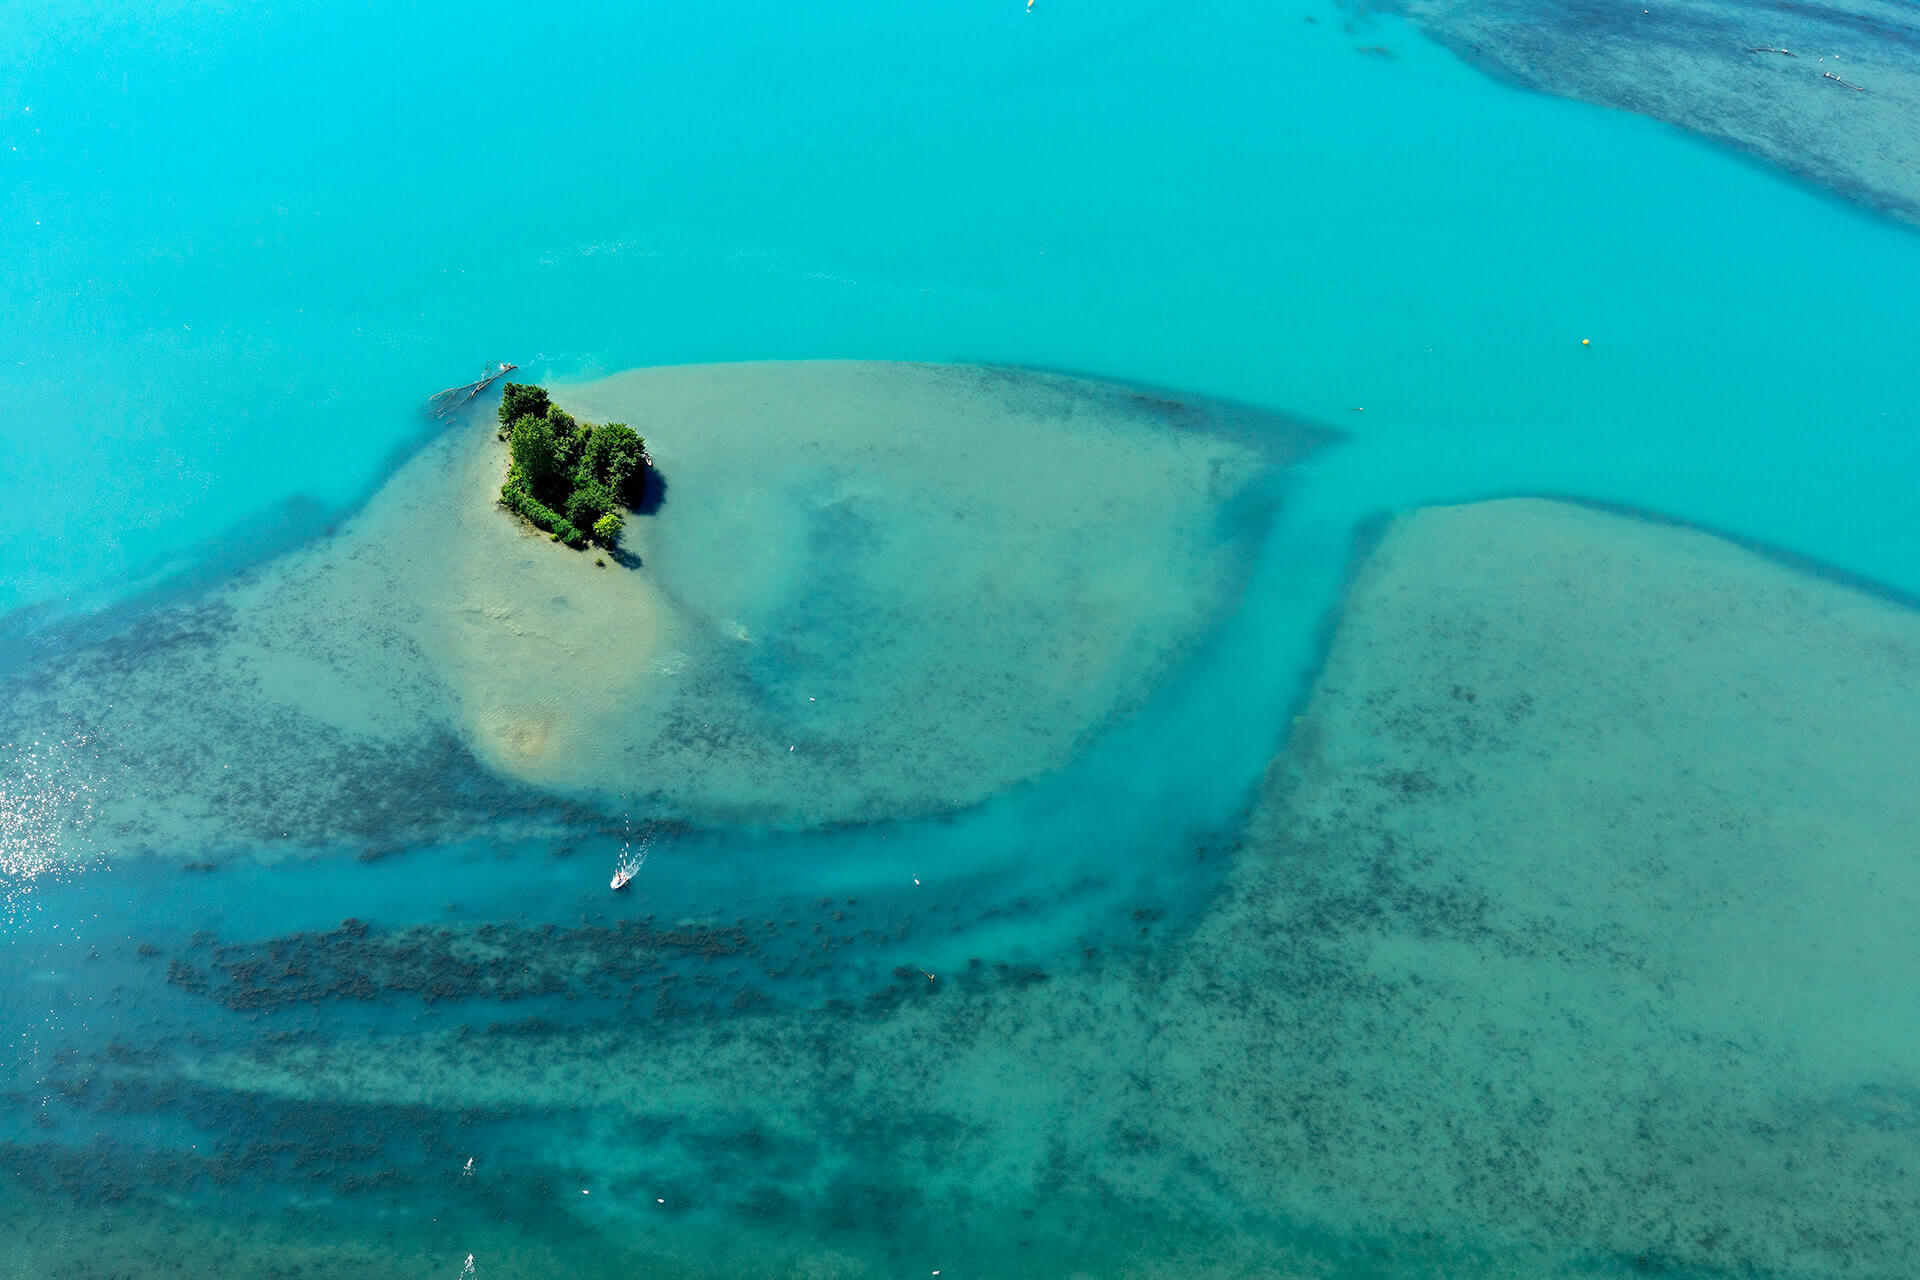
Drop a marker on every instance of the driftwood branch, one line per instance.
(444, 404)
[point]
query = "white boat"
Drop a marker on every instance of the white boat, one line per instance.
(621, 877)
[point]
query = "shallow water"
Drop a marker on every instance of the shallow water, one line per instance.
(997, 978)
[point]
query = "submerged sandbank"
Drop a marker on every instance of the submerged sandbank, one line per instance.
(872, 591)
(904, 588)
(1570, 934)
(1585, 905)
(1828, 92)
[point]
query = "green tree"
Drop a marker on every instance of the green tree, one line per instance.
(617, 458)
(606, 530)
(536, 454)
(519, 401)
(588, 502)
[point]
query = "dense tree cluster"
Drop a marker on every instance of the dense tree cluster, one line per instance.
(569, 477)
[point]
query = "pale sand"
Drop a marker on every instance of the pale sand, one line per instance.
(534, 639)
(1576, 930)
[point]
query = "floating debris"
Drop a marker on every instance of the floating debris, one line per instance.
(444, 404)
(1857, 88)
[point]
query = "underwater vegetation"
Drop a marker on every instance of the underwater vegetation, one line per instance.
(1826, 91)
(1558, 941)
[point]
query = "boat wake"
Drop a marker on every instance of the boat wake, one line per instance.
(631, 860)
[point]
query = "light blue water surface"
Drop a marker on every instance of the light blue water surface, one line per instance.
(240, 248)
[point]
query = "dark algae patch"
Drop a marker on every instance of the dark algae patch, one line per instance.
(1827, 92)
(490, 961)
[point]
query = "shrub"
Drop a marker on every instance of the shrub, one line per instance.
(519, 401)
(518, 500)
(617, 458)
(536, 454)
(588, 502)
(606, 530)
(569, 438)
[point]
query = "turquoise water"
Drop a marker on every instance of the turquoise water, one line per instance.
(238, 255)
(242, 248)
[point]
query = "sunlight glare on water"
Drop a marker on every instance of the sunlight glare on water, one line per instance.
(46, 803)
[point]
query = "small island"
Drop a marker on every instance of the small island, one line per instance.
(568, 477)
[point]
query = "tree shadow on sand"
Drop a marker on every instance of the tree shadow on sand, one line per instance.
(654, 494)
(652, 497)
